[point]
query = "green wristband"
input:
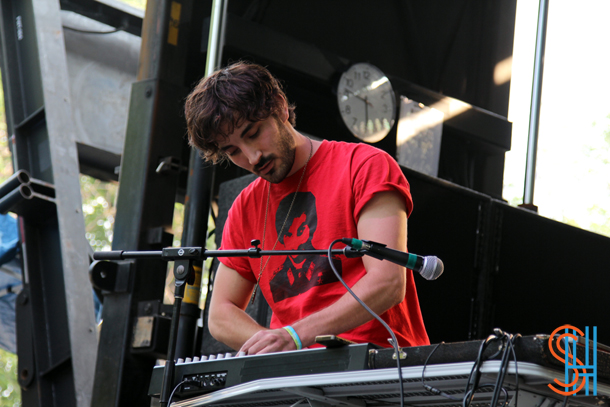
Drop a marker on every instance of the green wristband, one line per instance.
(295, 336)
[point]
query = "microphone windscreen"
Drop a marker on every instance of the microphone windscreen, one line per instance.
(433, 268)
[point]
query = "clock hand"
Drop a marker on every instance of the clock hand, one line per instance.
(357, 94)
(364, 99)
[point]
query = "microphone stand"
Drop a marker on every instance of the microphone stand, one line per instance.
(184, 258)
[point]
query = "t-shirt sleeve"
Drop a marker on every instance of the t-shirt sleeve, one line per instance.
(232, 239)
(376, 173)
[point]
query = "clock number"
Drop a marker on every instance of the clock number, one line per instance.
(355, 121)
(348, 109)
(366, 74)
(357, 75)
(349, 82)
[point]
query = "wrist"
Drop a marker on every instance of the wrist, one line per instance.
(294, 335)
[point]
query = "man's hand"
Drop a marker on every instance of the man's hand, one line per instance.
(269, 341)
(228, 322)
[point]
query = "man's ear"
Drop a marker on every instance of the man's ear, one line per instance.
(283, 113)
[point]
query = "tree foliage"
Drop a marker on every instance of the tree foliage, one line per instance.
(6, 164)
(99, 210)
(10, 395)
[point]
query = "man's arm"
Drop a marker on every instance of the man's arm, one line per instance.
(384, 220)
(228, 322)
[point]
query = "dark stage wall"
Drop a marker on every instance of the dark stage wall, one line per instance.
(505, 267)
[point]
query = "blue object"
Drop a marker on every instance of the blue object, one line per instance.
(9, 238)
(10, 281)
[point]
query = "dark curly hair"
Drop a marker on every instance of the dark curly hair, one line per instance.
(222, 101)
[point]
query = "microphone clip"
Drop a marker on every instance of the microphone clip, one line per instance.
(367, 245)
(352, 253)
(358, 248)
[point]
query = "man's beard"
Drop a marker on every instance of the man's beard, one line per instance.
(286, 150)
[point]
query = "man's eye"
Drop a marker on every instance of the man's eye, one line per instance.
(254, 135)
(232, 152)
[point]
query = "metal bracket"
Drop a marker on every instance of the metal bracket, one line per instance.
(151, 329)
(403, 354)
(110, 276)
(170, 165)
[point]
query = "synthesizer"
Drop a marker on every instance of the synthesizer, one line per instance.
(227, 370)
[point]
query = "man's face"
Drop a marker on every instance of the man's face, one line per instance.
(265, 148)
(297, 234)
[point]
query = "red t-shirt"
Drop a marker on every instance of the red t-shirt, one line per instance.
(341, 178)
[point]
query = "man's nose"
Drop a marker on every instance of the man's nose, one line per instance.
(254, 155)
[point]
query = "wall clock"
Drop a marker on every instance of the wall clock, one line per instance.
(366, 101)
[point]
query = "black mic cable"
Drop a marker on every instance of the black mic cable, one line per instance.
(394, 341)
(431, 389)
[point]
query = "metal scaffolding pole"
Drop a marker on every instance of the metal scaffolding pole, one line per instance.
(534, 124)
(199, 195)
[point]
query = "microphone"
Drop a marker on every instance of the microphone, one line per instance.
(430, 267)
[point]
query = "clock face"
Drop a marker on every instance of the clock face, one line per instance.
(366, 102)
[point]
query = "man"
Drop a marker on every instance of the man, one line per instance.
(324, 190)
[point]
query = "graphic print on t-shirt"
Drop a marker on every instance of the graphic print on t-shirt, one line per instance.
(300, 273)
